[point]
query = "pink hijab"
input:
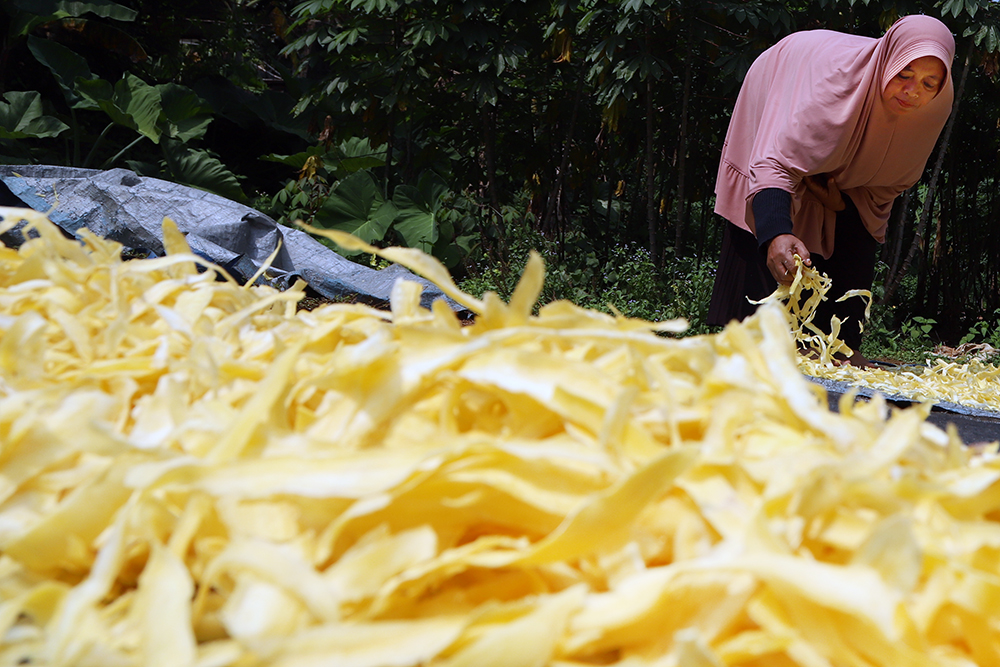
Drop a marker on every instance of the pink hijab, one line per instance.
(811, 104)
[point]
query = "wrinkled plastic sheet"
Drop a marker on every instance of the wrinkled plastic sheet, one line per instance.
(973, 424)
(119, 205)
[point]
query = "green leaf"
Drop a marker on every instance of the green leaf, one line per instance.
(67, 66)
(94, 91)
(351, 156)
(276, 109)
(417, 221)
(416, 225)
(21, 117)
(354, 155)
(185, 116)
(955, 7)
(103, 8)
(132, 103)
(584, 22)
(356, 206)
(141, 103)
(450, 253)
(296, 160)
(96, 36)
(200, 169)
(23, 23)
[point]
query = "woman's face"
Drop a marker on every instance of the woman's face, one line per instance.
(913, 87)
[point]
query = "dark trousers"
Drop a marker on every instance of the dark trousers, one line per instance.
(743, 274)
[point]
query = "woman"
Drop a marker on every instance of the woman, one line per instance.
(827, 131)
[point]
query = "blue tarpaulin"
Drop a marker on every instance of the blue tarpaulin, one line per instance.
(119, 205)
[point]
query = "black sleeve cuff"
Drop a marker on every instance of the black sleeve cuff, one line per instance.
(772, 212)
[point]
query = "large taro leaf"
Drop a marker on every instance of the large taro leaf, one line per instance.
(130, 102)
(297, 160)
(354, 155)
(273, 108)
(417, 221)
(451, 246)
(67, 66)
(21, 117)
(103, 8)
(349, 157)
(185, 116)
(200, 169)
(94, 35)
(357, 206)
(26, 15)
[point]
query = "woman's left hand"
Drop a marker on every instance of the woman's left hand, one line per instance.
(827, 193)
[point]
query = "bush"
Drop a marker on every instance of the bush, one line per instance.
(625, 279)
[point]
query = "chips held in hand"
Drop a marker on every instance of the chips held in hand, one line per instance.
(973, 384)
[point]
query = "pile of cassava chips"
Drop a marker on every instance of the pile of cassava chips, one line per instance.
(193, 473)
(972, 384)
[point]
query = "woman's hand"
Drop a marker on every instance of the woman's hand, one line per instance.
(825, 189)
(781, 257)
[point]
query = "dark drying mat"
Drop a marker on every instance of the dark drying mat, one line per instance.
(974, 425)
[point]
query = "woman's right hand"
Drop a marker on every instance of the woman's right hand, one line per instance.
(781, 257)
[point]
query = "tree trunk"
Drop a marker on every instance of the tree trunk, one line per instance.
(489, 153)
(389, 136)
(680, 209)
(932, 257)
(651, 217)
(607, 233)
(918, 237)
(939, 234)
(553, 217)
(898, 232)
(993, 283)
(700, 252)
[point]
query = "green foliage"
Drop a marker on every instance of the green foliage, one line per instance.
(26, 15)
(348, 157)
(337, 188)
(909, 343)
(63, 8)
(183, 116)
(199, 169)
(355, 205)
(130, 102)
(66, 66)
(298, 200)
(984, 331)
(320, 169)
(21, 117)
(916, 332)
(984, 36)
(418, 208)
(158, 129)
(625, 57)
(626, 281)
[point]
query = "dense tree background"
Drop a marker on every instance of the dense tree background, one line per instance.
(464, 127)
